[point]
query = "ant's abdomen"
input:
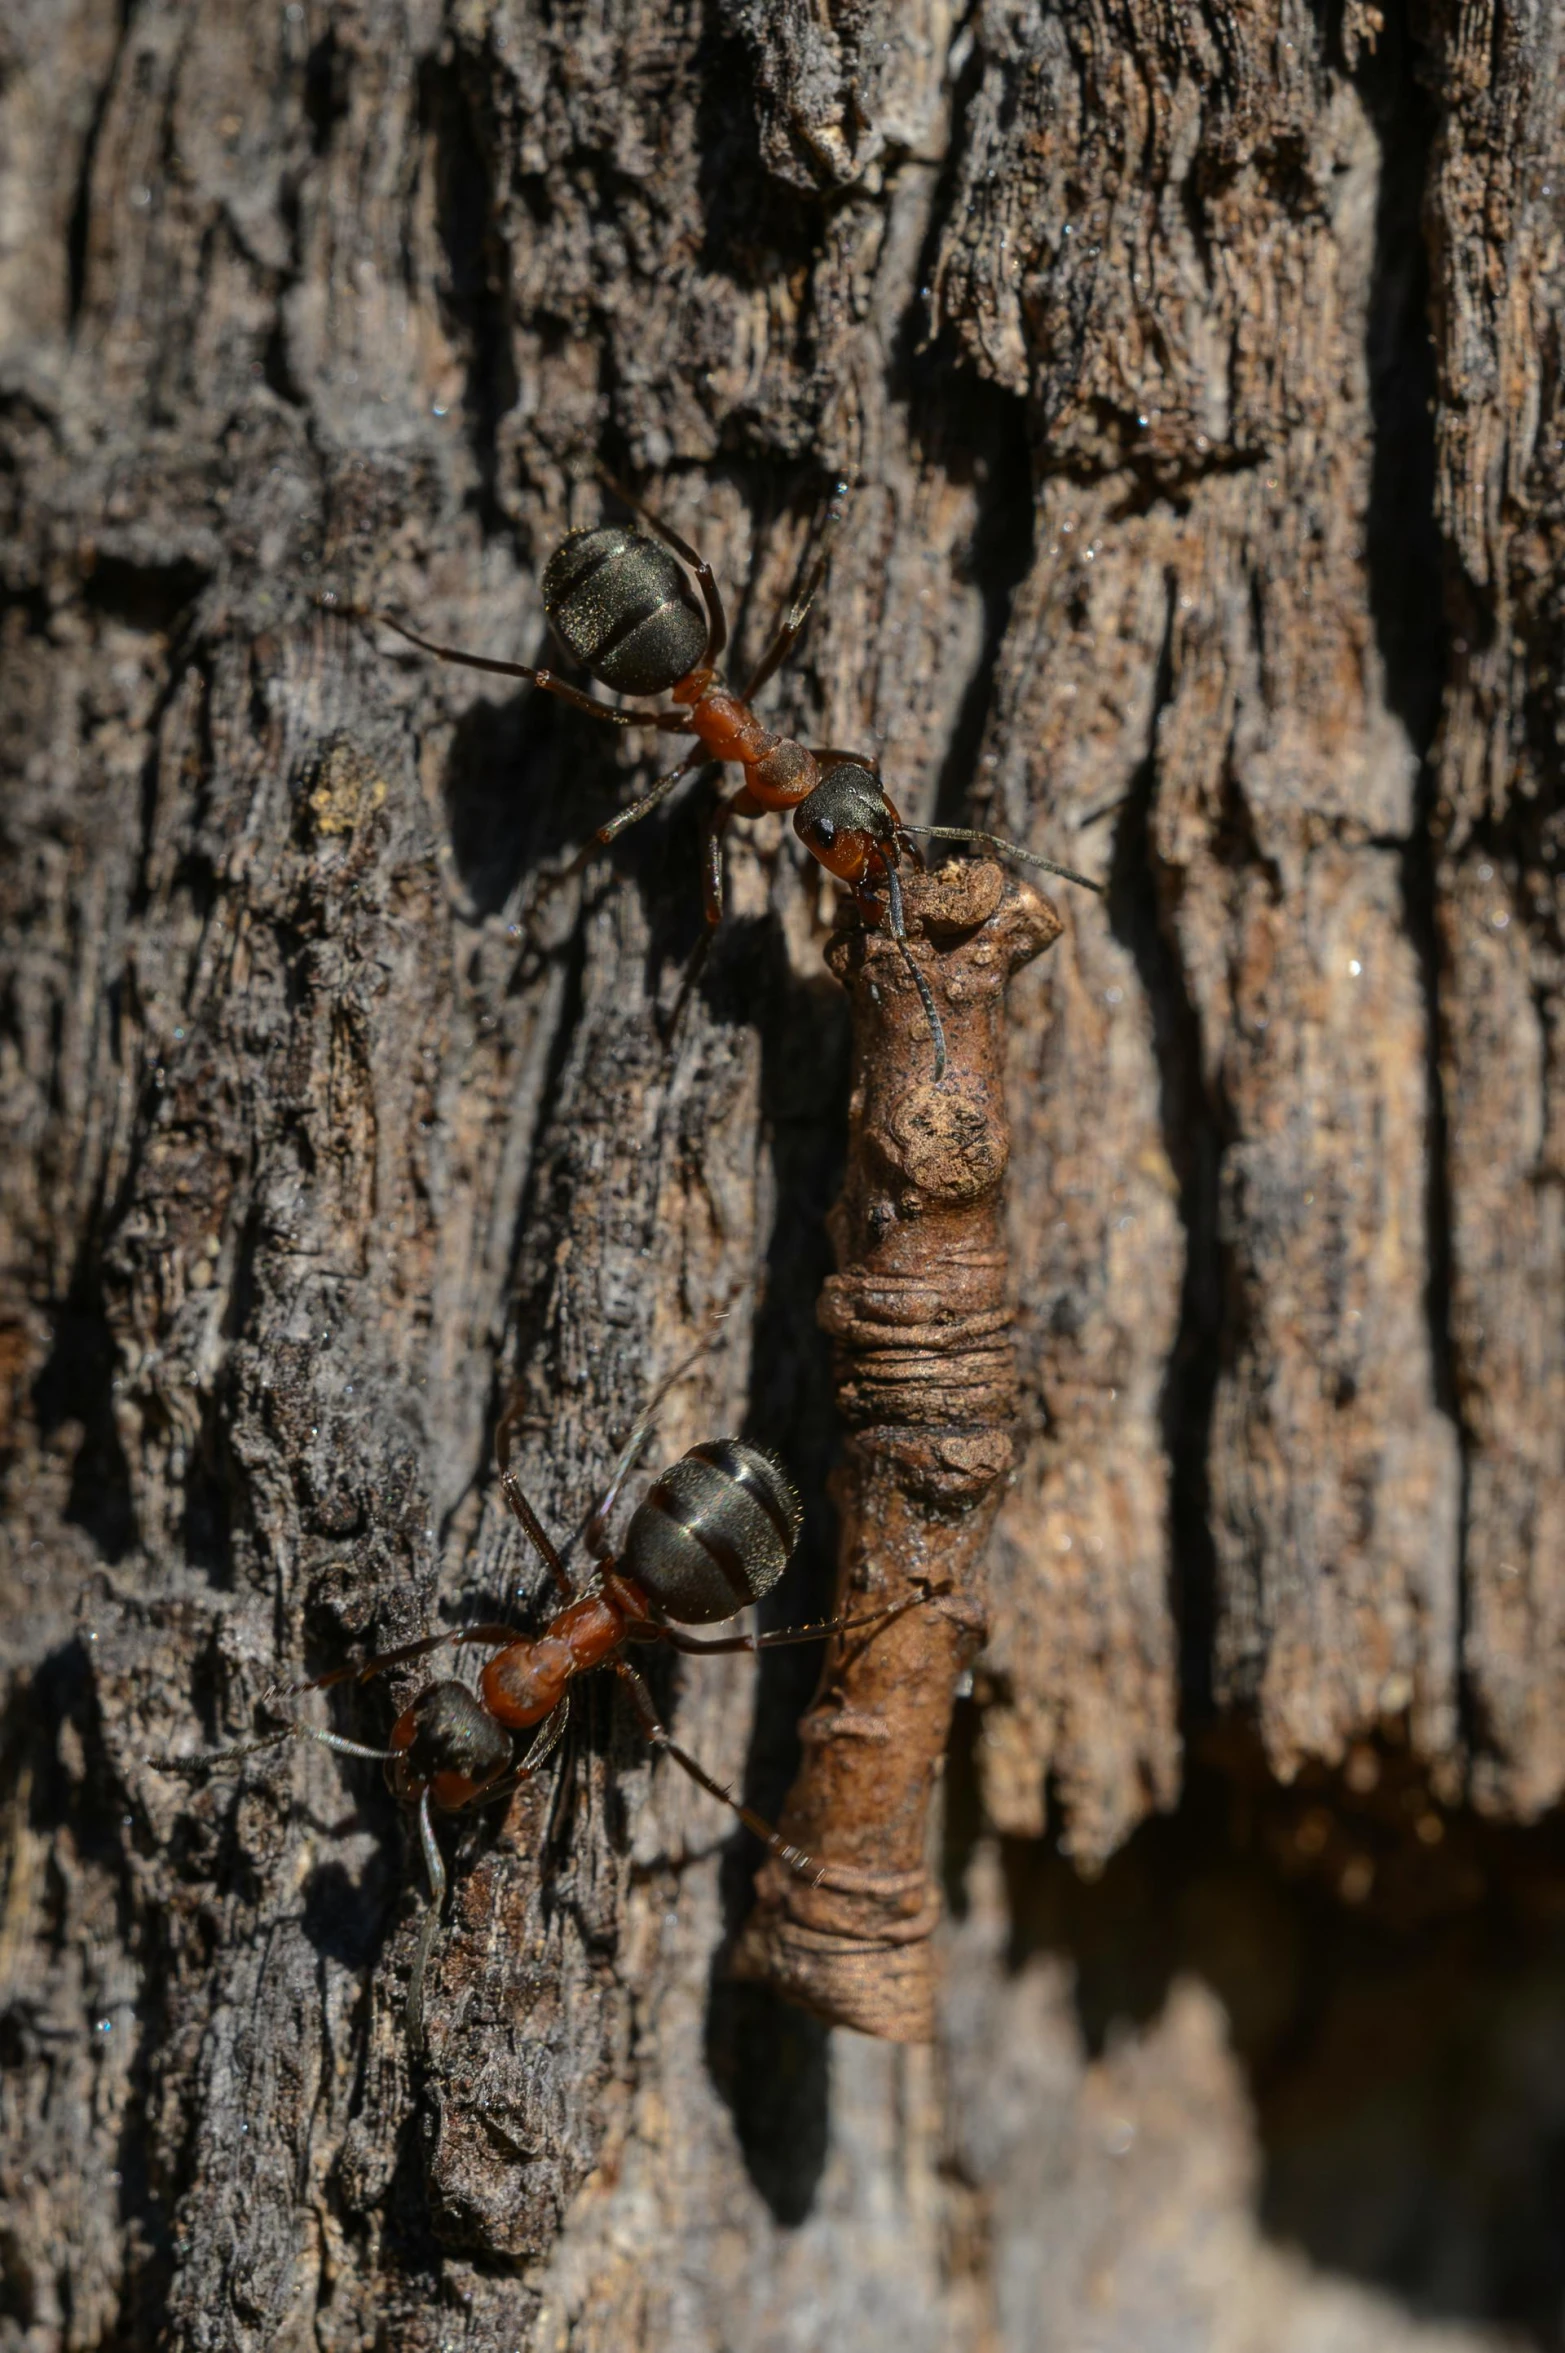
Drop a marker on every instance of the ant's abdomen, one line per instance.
(715, 1532)
(621, 604)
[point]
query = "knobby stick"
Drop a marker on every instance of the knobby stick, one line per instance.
(926, 1381)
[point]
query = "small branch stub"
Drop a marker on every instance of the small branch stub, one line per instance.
(926, 1383)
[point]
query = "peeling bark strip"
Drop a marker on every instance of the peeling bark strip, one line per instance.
(926, 1380)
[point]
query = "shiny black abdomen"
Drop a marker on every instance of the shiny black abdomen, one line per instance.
(715, 1533)
(624, 607)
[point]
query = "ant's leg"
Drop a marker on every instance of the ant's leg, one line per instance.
(898, 929)
(649, 801)
(637, 716)
(511, 1489)
(797, 614)
(656, 1731)
(434, 1865)
(255, 1748)
(716, 618)
(992, 841)
(787, 636)
(547, 1738)
(632, 815)
(593, 1529)
(361, 1670)
(786, 1636)
(739, 804)
(715, 824)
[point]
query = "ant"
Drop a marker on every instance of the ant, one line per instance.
(711, 1536)
(621, 605)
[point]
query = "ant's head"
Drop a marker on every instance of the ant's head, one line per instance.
(844, 819)
(715, 1533)
(447, 1743)
(621, 604)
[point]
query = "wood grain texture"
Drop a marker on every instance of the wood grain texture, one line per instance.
(1495, 213)
(1175, 274)
(332, 1121)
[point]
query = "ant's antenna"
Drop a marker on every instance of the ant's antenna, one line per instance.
(992, 841)
(898, 924)
(592, 1527)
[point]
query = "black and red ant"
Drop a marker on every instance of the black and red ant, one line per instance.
(622, 606)
(712, 1535)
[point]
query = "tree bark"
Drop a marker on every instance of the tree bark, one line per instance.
(1199, 370)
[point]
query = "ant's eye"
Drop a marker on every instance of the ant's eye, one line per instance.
(825, 831)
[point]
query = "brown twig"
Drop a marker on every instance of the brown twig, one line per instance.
(926, 1384)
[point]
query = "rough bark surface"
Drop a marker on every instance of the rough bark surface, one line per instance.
(1201, 371)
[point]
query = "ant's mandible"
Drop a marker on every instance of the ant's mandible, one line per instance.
(713, 1535)
(622, 606)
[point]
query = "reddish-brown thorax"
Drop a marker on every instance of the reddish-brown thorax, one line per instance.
(526, 1682)
(779, 772)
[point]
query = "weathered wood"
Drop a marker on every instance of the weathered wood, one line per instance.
(1495, 212)
(330, 1121)
(1168, 248)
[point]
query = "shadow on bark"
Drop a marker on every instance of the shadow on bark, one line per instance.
(768, 2060)
(1394, 1979)
(76, 1384)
